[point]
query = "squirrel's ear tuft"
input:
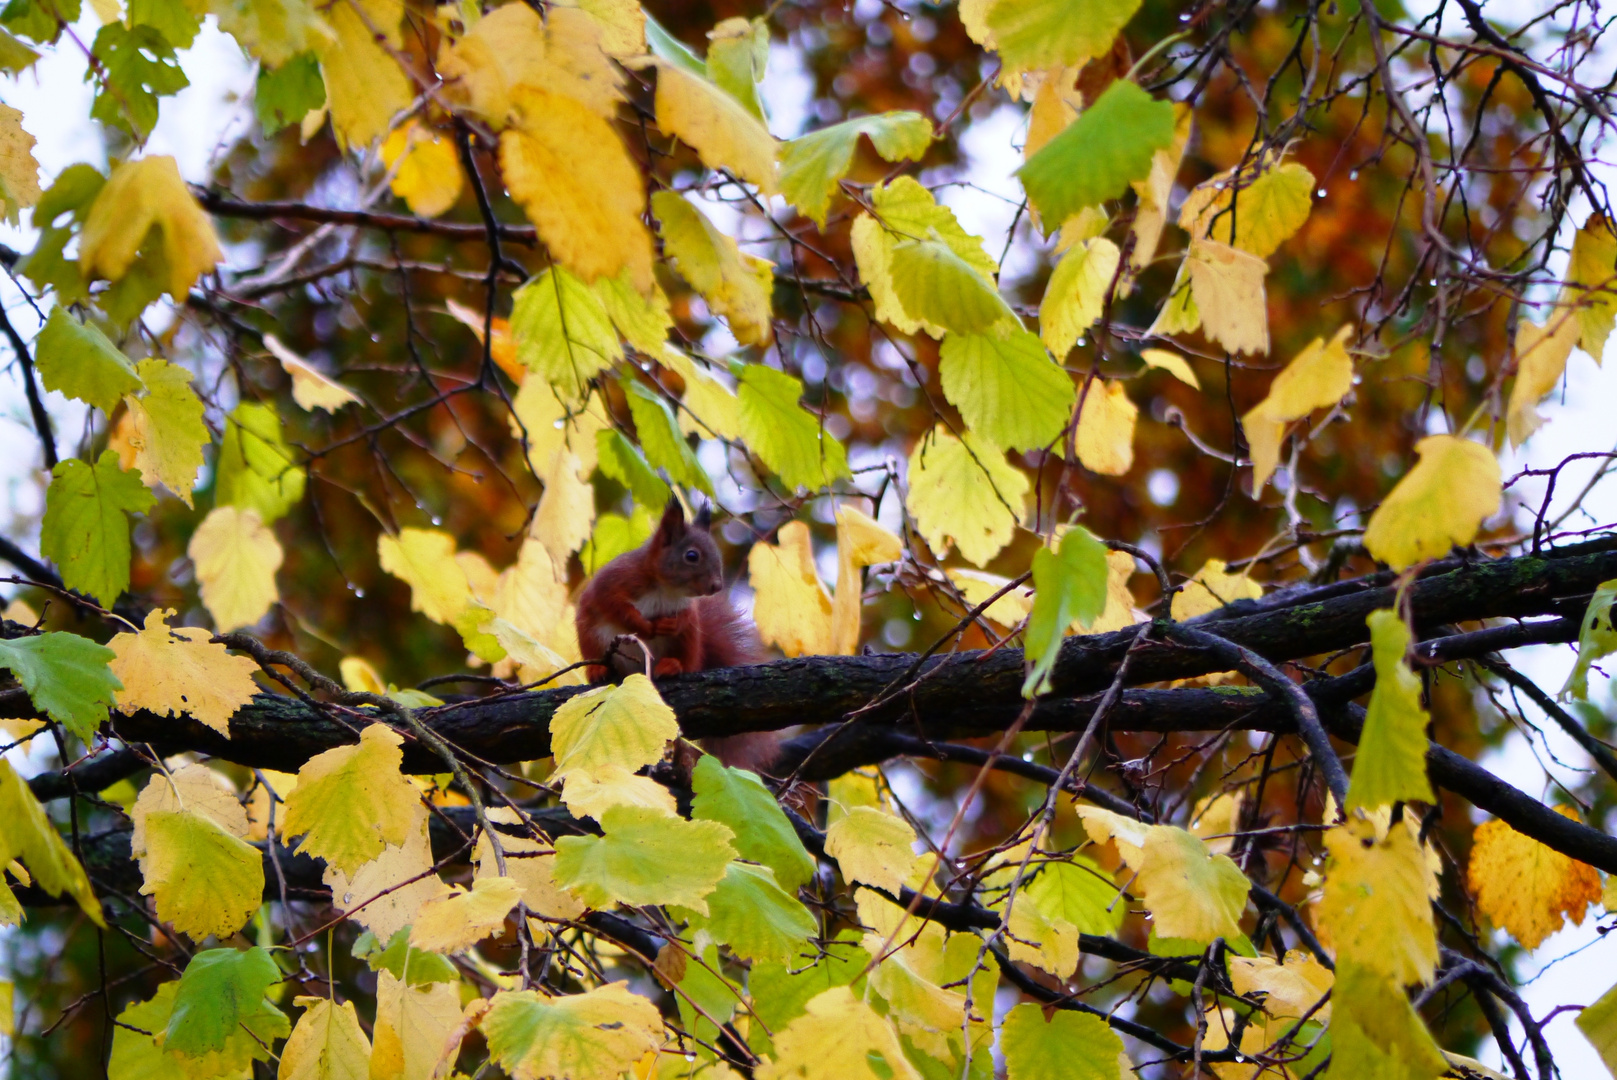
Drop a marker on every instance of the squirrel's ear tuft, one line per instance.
(673, 520)
(704, 516)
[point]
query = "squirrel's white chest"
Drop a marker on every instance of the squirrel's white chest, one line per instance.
(660, 602)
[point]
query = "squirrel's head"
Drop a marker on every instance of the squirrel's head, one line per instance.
(687, 558)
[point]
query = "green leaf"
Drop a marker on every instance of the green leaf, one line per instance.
(285, 94)
(621, 460)
(15, 57)
(137, 67)
(811, 165)
(256, 467)
(781, 991)
(46, 266)
(171, 18)
(42, 20)
(66, 675)
(939, 288)
(646, 857)
(86, 527)
(1068, 583)
(664, 443)
(785, 436)
(1068, 1046)
(1391, 763)
(30, 837)
(563, 332)
(756, 918)
(1597, 637)
(1056, 33)
(409, 965)
(220, 1012)
(1080, 893)
(78, 360)
(614, 534)
(763, 834)
(1007, 389)
(706, 997)
(666, 46)
(1098, 155)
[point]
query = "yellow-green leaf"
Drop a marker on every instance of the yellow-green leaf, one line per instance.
(627, 725)
(792, 608)
(1076, 292)
(1263, 214)
(1391, 763)
(256, 467)
(737, 285)
(962, 491)
(167, 430)
(1031, 34)
(563, 332)
(1597, 637)
(205, 881)
(352, 801)
(326, 1044)
(138, 197)
(1375, 906)
(596, 1035)
(29, 837)
(724, 134)
(1592, 283)
(77, 359)
(786, 436)
(1058, 1045)
(812, 164)
(1541, 355)
(645, 857)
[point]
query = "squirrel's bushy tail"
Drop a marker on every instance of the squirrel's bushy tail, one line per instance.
(730, 640)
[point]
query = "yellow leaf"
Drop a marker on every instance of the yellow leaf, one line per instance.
(1227, 285)
(723, 133)
(166, 431)
(873, 847)
(1525, 887)
(424, 559)
(1191, 893)
(1375, 906)
(1438, 505)
(413, 1025)
(236, 556)
(595, 1035)
(566, 510)
(530, 593)
(205, 880)
(1129, 836)
(964, 492)
(1211, 589)
(861, 542)
(923, 1011)
(1151, 210)
(258, 801)
(138, 197)
(592, 792)
(1317, 378)
(177, 671)
(1291, 989)
(977, 586)
(1592, 284)
(352, 801)
(1541, 355)
(1106, 429)
(622, 24)
(1077, 288)
(792, 610)
(194, 788)
(384, 894)
(626, 725)
(1375, 1032)
(1056, 103)
(310, 389)
(425, 169)
(456, 922)
(548, 425)
(1173, 364)
(359, 676)
(327, 1044)
(838, 1036)
(365, 85)
(510, 48)
(709, 404)
(536, 873)
(737, 285)
(1119, 610)
(19, 172)
(1268, 210)
(569, 171)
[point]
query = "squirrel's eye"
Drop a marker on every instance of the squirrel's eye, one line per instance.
(692, 555)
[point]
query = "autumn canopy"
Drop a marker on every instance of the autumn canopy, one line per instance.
(1146, 436)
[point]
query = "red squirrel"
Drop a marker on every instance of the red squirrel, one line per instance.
(669, 593)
